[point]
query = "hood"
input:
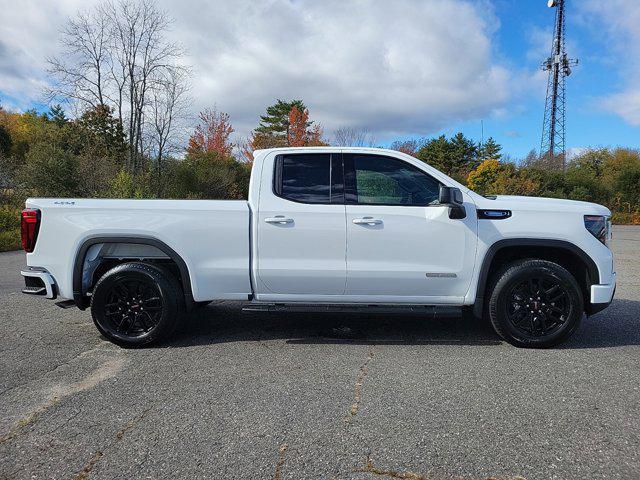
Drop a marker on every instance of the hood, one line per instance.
(517, 203)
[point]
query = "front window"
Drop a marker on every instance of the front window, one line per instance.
(379, 180)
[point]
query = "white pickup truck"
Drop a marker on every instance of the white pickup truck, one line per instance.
(326, 228)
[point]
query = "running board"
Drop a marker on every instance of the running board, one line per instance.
(433, 311)
(66, 304)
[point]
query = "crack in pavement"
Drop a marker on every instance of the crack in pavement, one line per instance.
(369, 467)
(277, 475)
(64, 423)
(107, 370)
(357, 396)
(84, 473)
(63, 364)
(98, 455)
(29, 419)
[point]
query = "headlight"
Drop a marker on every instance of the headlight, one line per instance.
(599, 226)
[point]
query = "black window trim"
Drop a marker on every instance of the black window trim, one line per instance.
(349, 179)
(336, 189)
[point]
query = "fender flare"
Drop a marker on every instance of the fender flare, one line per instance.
(478, 306)
(81, 301)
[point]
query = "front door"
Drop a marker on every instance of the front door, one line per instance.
(401, 244)
(301, 226)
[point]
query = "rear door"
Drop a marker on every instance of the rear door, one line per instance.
(301, 225)
(401, 244)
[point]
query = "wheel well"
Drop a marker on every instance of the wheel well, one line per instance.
(96, 256)
(564, 254)
(107, 264)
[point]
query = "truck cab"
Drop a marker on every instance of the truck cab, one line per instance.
(360, 227)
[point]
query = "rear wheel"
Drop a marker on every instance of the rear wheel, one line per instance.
(136, 304)
(535, 303)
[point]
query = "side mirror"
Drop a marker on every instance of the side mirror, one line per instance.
(452, 197)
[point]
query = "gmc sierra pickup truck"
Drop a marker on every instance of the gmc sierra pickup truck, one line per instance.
(326, 229)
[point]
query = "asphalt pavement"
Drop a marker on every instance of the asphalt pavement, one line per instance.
(290, 396)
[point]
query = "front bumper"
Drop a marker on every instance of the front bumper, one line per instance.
(39, 282)
(601, 296)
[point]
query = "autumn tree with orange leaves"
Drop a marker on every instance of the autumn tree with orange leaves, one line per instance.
(212, 134)
(298, 135)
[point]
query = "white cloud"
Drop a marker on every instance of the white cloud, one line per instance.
(539, 39)
(620, 20)
(28, 35)
(397, 68)
(573, 152)
(625, 104)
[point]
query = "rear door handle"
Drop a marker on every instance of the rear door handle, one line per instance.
(280, 219)
(367, 221)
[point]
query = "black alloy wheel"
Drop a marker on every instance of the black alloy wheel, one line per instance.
(539, 305)
(134, 307)
(136, 304)
(535, 303)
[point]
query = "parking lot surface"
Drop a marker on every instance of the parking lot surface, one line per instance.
(292, 396)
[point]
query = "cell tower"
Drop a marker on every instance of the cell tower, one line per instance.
(559, 66)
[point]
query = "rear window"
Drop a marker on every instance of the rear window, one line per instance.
(304, 178)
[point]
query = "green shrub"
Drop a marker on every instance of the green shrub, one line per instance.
(128, 185)
(208, 176)
(9, 228)
(624, 218)
(50, 172)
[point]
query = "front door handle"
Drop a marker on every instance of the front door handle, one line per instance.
(367, 221)
(279, 219)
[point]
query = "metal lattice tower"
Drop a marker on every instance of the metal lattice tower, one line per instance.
(552, 147)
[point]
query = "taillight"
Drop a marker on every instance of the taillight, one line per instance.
(29, 226)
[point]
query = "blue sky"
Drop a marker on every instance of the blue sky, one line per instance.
(522, 25)
(401, 69)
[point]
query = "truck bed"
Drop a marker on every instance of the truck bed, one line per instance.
(212, 236)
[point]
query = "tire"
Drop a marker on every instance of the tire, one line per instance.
(136, 304)
(535, 303)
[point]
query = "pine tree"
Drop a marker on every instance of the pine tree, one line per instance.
(490, 149)
(56, 115)
(275, 124)
(437, 152)
(465, 153)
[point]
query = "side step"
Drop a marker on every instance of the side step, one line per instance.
(38, 281)
(35, 290)
(427, 311)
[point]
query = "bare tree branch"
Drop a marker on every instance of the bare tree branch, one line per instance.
(353, 137)
(118, 55)
(169, 94)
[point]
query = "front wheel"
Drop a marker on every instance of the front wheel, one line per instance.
(535, 303)
(136, 304)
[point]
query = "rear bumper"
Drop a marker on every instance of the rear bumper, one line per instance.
(601, 296)
(39, 282)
